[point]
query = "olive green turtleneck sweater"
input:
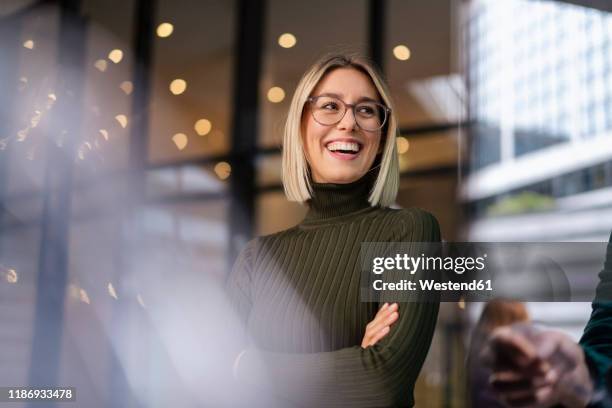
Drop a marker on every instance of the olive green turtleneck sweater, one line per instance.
(297, 293)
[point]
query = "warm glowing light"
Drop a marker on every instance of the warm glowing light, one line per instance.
(127, 87)
(164, 30)
(100, 65)
(287, 40)
(461, 304)
(11, 276)
(115, 55)
(180, 140)
(22, 134)
(202, 127)
(104, 134)
(122, 119)
(401, 52)
(23, 82)
(35, 120)
(111, 290)
(73, 291)
(276, 94)
(178, 86)
(140, 301)
(51, 98)
(29, 44)
(223, 170)
(402, 145)
(83, 296)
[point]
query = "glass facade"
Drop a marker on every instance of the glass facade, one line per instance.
(540, 80)
(540, 74)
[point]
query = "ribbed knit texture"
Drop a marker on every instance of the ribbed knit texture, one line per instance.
(297, 292)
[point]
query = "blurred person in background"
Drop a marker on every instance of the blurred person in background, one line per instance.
(533, 368)
(311, 341)
(496, 313)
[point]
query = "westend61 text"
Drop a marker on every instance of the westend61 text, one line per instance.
(430, 284)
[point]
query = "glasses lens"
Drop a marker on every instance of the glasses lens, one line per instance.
(370, 115)
(327, 110)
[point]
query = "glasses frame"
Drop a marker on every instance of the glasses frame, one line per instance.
(312, 99)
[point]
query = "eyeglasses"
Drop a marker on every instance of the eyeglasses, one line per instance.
(328, 110)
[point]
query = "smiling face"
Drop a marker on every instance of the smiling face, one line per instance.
(344, 152)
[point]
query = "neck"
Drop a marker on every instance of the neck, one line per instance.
(331, 200)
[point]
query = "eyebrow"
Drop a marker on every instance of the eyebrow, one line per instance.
(339, 96)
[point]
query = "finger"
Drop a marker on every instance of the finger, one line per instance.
(379, 324)
(371, 336)
(505, 387)
(511, 376)
(379, 335)
(382, 316)
(512, 348)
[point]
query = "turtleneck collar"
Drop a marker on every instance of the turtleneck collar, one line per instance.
(330, 200)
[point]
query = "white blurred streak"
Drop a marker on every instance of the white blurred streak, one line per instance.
(172, 258)
(444, 97)
(537, 166)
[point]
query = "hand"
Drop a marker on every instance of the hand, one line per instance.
(380, 326)
(534, 368)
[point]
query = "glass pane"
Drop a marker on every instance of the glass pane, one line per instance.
(418, 62)
(541, 80)
(317, 30)
(119, 308)
(31, 109)
(275, 213)
(211, 179)
(19, 249)
(108, 89)
(538, 97)
(430, 151)
(192, 85)
(269, 170)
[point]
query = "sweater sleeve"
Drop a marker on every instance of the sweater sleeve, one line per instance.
(596, 340)
(238, 283)
(380, 375)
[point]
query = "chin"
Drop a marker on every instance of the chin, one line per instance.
(343, 177)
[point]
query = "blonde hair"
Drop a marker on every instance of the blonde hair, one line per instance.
(295, 171)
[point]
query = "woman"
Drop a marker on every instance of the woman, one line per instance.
(297, 291)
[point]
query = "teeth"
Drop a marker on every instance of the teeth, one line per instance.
(348, 146)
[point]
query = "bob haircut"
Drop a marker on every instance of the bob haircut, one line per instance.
(295, 171)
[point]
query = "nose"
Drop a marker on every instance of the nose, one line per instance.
(348, 121)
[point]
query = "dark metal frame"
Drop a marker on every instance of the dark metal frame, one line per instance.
(245, 122)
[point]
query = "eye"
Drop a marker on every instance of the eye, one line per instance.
(330, 106)
(366, 110)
